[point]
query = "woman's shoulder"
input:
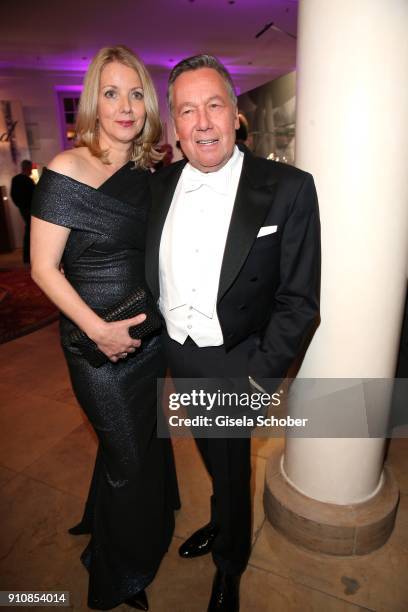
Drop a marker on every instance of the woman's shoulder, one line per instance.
(61, 189)
(62, 195)
(70, 163)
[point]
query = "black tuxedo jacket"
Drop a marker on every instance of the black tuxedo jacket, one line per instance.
(269, 286)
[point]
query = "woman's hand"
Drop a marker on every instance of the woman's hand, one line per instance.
(113, 338)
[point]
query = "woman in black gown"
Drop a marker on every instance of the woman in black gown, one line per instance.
(89, 213)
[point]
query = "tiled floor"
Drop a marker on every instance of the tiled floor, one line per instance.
(46, 457)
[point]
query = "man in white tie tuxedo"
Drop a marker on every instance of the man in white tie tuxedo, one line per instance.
(233, 256)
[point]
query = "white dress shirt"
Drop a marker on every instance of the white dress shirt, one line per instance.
(192, 249)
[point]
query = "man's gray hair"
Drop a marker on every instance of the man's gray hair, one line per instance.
(194, 63)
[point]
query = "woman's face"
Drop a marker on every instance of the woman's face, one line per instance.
(121, 107)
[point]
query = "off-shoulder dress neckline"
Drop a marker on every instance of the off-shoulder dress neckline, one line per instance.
(100, 187)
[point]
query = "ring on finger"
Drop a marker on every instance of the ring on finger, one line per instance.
(123, 355)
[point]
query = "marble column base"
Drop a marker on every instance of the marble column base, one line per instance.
(333, 529)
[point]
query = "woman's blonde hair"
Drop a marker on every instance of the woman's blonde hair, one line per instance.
(143, 151)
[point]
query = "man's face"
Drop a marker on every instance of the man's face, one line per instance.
(205, 118)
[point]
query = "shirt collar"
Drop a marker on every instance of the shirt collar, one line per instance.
(218, 181)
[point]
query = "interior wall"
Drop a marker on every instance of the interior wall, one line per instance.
(270, 110)
(37, 94)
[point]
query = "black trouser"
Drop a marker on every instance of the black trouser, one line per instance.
(26, 240)
(228, 460)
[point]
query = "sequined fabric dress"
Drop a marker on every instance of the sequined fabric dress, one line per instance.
(133, 493)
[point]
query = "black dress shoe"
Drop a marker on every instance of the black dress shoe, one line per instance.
(138, 601)
(200, 543)
(225, 593)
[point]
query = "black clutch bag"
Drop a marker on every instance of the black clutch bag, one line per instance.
(138, 302)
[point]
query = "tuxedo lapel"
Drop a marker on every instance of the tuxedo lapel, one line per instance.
(163, 186)
(252, 203)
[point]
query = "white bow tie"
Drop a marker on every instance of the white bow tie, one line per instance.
(193, 180)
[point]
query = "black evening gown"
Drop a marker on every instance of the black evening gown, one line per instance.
(133, 493)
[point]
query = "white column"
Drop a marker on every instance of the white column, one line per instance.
(352, 135)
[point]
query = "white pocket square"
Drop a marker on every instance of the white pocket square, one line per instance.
(267, 229)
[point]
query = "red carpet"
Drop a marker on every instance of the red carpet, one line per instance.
(23, 306)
